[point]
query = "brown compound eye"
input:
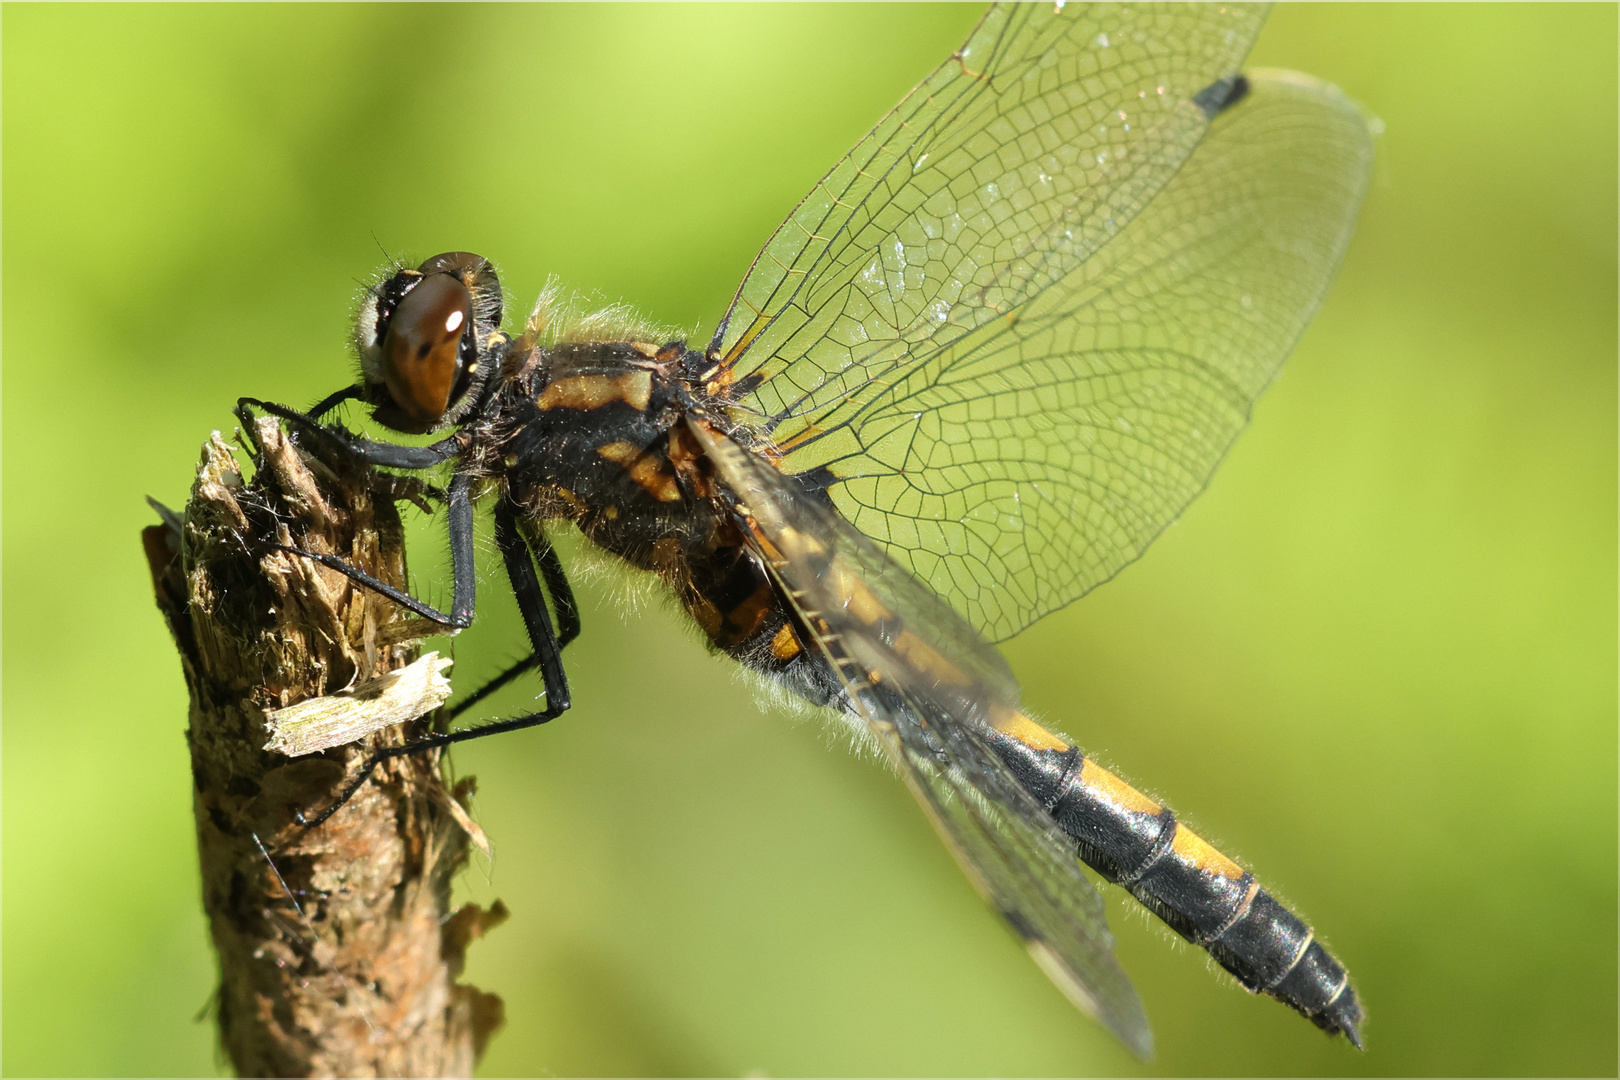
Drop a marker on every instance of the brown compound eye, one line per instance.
(422, 357)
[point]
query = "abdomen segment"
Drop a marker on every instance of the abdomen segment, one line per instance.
(1130, 839)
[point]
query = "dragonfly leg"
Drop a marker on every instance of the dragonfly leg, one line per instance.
(333, 400)
(547, 657)
(562, 599)
(459, 515)
(389, 455)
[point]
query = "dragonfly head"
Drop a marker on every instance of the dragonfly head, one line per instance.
(423, 336)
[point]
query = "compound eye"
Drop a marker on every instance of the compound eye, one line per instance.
(421, 356)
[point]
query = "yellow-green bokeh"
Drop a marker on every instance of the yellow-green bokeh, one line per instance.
(1377, 660)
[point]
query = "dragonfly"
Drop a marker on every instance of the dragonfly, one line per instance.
(993, 353)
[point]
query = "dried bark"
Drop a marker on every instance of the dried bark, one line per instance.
(338, 950)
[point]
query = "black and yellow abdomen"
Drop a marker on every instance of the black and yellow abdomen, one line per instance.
(1122, 833)
(1132, 840)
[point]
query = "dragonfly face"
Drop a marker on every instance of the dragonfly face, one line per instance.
(989, 357)
(421, 335)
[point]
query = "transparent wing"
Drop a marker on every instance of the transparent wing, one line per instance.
(1015, 331)
(930, 688)
(1026, 149)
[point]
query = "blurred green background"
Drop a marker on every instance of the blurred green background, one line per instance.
(1377, 660)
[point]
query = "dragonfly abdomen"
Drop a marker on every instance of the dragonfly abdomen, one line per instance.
(1207, 898)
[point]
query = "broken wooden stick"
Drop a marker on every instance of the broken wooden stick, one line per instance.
(338, 948)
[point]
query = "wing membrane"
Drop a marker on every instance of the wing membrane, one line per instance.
(1022, 322)
(928, 687)
(1006, 148)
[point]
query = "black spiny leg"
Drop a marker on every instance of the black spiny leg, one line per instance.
(499, 682)
(531, 601)
(460, 520)
(547, 657)
(333, 400)
(562, 594)
(389, 455)
(562, 598)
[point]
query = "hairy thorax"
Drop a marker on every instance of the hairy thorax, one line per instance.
(596, 433)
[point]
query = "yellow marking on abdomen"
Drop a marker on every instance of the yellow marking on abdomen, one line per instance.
(1115, 790)
(1027, 731)
(927, 659)
(746, 617)
(1197, 851)
(785, 645)
(586, 392)
(853, 595)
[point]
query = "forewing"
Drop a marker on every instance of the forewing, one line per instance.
(929, 688)
(1036, 140)
(1024, 321)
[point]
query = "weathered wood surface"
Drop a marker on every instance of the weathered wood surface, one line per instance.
(338, 949)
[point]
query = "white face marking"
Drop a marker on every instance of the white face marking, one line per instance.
(368, 322)
(453, 323)
(365, 338)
